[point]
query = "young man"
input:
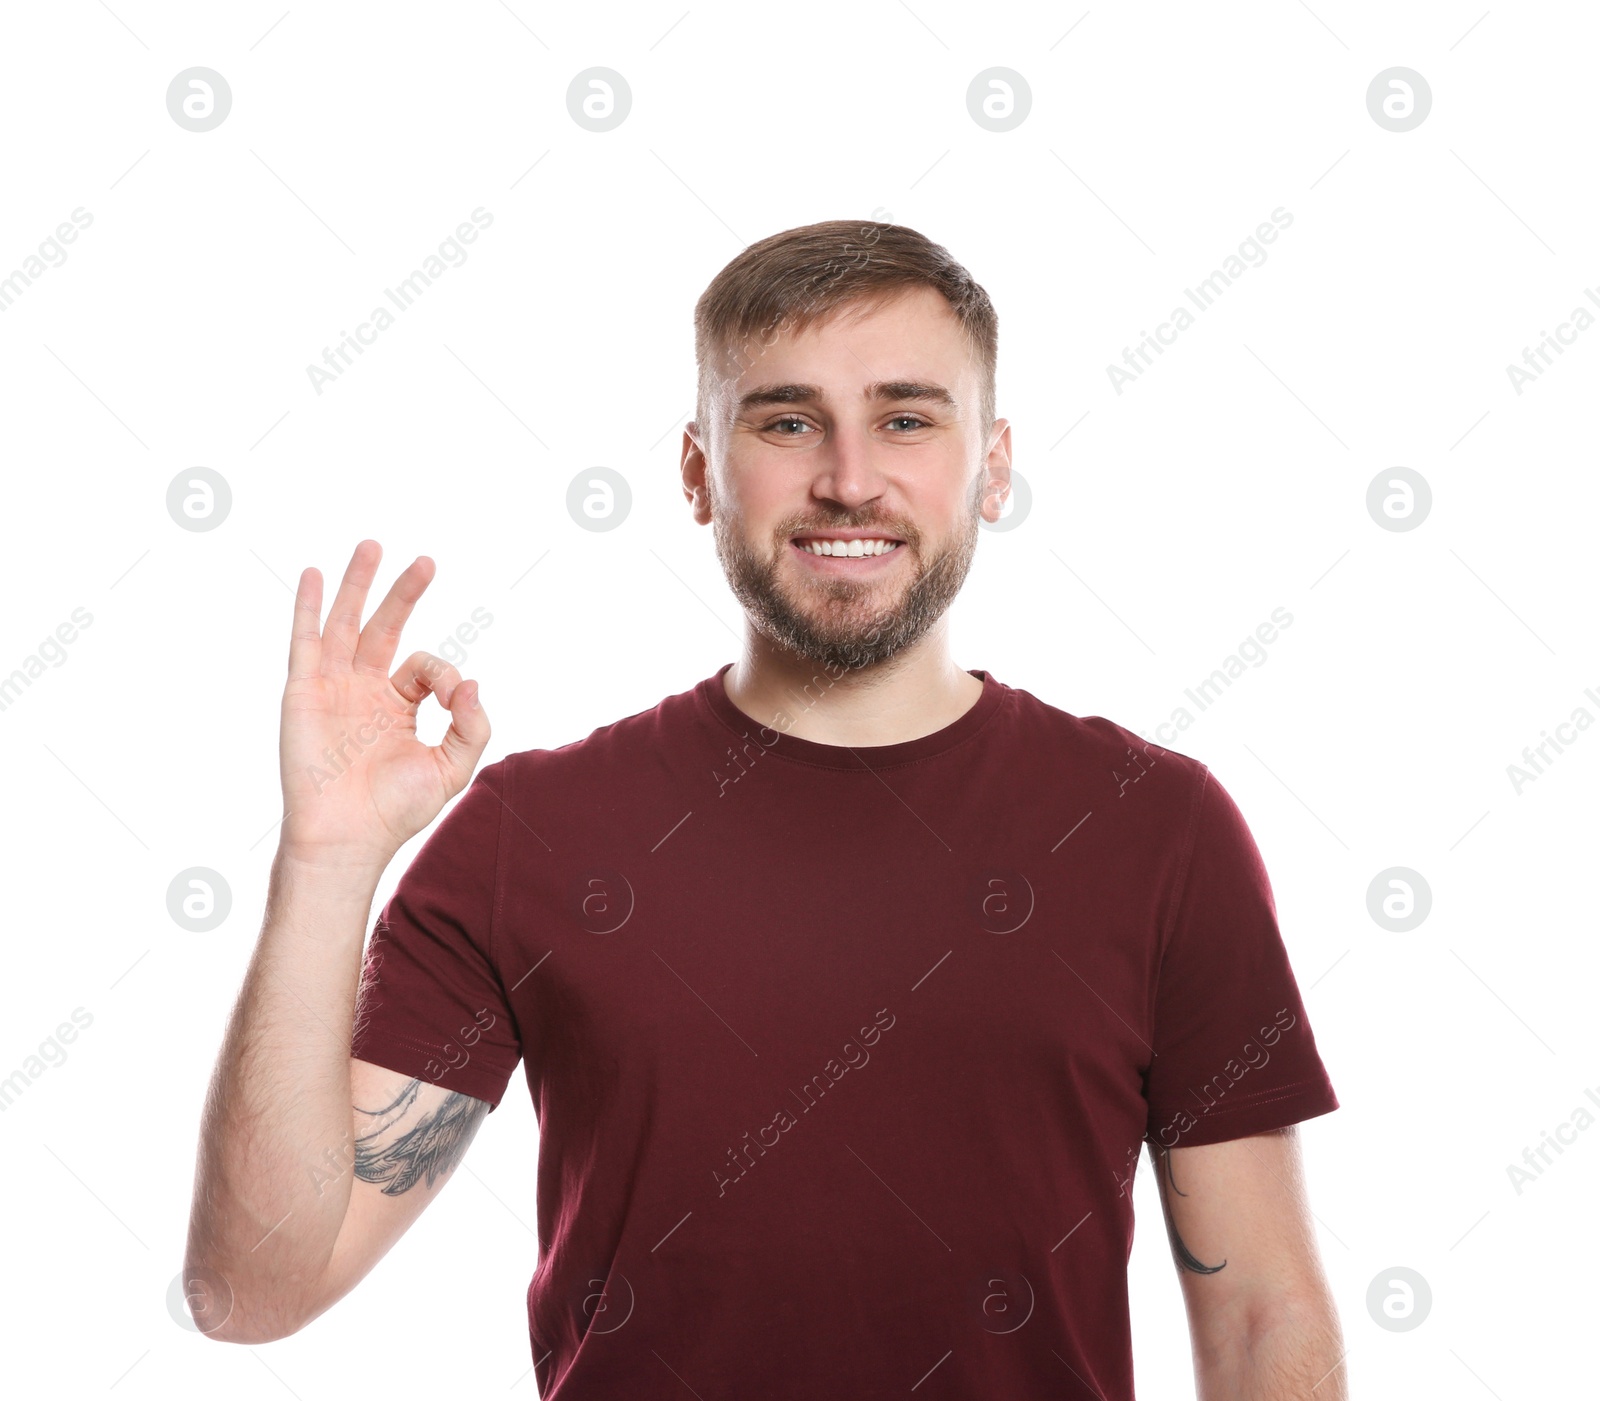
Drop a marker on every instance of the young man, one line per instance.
(847, 983)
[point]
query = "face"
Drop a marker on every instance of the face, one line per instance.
(864, 424)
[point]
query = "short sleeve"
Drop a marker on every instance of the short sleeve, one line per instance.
(1234, 1053)
(431, 1003)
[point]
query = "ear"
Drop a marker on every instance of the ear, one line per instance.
(997, 471)
(693, 467)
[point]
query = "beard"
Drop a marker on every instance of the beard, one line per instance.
(844, 624)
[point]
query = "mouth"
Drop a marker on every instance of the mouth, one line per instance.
(831, 555)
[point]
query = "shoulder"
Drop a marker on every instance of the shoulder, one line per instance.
(606, 752)
(1111, 759)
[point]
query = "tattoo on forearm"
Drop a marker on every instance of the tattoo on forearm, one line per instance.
(1184, 1256)
(427, 1150)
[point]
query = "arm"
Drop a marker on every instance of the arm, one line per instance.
(311, 1164)
(1262, 1322)
(404, 1149)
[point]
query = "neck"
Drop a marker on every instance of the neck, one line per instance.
(914, 693)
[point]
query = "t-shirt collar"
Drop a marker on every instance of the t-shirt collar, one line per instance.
(773, 739)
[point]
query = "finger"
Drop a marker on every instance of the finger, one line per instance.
(305, 636)
(423, 672)
(464, 742)
(381, 636)
(344, 618)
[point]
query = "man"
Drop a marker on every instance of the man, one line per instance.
(847, 983)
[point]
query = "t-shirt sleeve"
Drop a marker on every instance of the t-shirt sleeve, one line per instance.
(1234, 1053)
(431, 1003)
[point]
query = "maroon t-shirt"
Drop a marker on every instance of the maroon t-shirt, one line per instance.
(843, 1057)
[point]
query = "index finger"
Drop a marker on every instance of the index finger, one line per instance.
(381, 636)
(344, 618)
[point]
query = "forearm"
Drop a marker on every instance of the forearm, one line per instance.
(1291, 1353)
(272, 1178)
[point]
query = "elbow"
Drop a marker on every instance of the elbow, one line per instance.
(1307, 1325)
(205, 1300)
(250, 1331)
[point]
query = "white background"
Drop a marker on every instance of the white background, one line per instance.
(1229, 480)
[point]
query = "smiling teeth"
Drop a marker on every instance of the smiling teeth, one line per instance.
(848, 547)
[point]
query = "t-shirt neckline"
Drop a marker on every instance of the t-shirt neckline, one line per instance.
(714, 696)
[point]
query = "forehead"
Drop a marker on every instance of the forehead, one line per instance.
(912, 337)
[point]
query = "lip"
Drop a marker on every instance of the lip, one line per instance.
(846, 564)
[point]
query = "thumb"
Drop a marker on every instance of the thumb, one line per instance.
(464, 742)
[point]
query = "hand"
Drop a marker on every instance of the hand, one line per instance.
(357, 782)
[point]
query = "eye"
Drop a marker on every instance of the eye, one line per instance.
(791, 420)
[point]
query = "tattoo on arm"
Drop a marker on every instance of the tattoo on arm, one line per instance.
(1180, 1252)
(427, 1150)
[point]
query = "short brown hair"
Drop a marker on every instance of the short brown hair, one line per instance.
(792, 279)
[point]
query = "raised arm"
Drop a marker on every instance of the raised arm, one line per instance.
(311, 1164)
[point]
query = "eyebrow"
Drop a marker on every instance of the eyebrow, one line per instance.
(894, 390)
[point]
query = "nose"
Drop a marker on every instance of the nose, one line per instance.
(847, 471)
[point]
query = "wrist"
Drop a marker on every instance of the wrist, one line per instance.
(329, 872)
